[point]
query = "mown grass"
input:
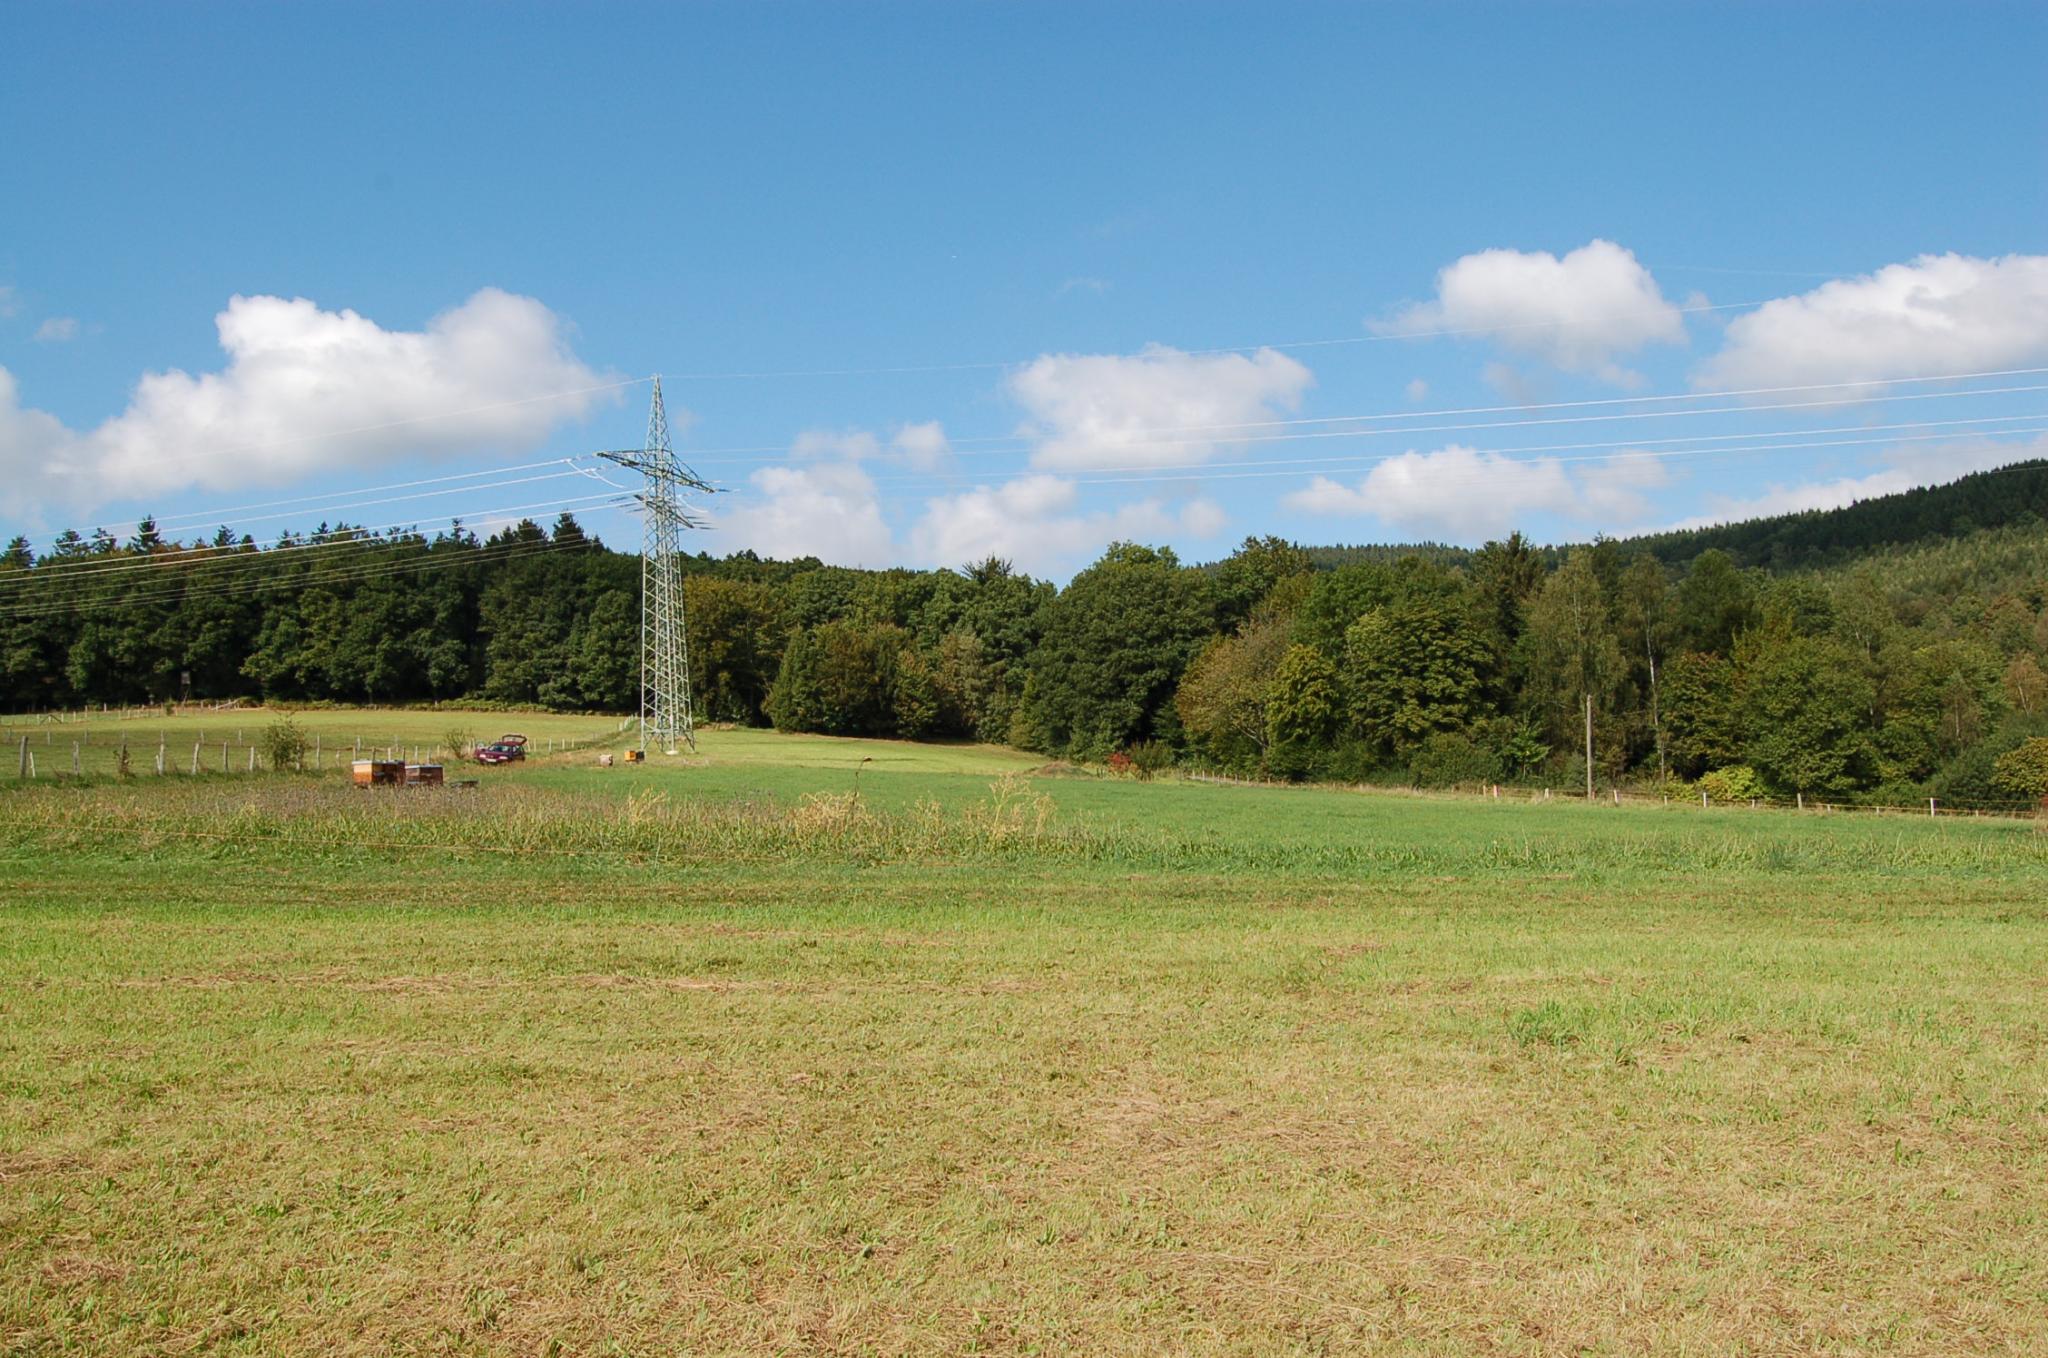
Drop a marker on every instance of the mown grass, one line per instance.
(93, 742)
(682, 1062)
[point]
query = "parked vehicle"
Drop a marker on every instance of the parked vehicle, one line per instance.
(503, 750)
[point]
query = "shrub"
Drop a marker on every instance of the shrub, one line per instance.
(1448, 758)
(1736, 783)
(1150, 757)
(459, 741)
(1121, 765)
(2023, 772)
(283, 744)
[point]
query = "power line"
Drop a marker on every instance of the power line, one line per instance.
(243, 587)
(202, 517)
(1278, 345)
(202, 554)
(1360, 462)
(316, 436)
(1406, 430)
(1529, 448)
(1023, 444)
(50, 570)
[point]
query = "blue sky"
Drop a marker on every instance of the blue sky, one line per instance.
(986, 254)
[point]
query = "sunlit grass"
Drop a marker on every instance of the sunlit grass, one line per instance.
(740, 1055)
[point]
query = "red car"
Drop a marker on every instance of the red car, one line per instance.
(504, 750)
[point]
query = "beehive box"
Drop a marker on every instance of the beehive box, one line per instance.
(423, 775)
(377, 772)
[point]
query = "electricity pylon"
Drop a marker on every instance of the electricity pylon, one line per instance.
(665, 716)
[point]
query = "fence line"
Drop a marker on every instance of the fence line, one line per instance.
(2019, 808)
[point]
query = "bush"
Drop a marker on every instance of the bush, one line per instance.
(459, 741)
(1676, 789)
(1149, 757)
(2023, 772)
(1449, 758)
(283, 744)
(1354, 761)
(1736, 783)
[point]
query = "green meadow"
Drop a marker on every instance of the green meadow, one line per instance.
(800, 1045)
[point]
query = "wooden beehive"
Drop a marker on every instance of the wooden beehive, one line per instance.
(423, 775)
(377, 772)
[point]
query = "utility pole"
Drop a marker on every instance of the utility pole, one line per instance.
(665, 715)
(1589, 747)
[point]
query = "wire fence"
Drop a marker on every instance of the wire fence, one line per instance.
(74, 749)
(1691, 798)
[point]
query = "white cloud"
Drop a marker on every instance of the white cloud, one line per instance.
(29, 441)
(1906, 468)
(1416, 390)
(1154, 408)
(306, 390)
(826, 504)
(57, 330)
(1463, 495)
(1030, 521)
(1936, 316)
(828, 510)
(1579, 313)
(922, 447)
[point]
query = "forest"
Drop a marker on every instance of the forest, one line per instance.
(1887, 652)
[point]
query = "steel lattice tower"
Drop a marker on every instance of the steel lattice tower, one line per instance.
(665, 716)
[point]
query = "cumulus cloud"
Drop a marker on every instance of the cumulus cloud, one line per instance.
(1580, 312)
(1904, 468)
(306, 390)
(1158, 407)
(57, 330)
(1417, 390)
(1936, 316)
(921, 447)
(825, 504)
(1035, 522)
(1463, 495)
(828, 510)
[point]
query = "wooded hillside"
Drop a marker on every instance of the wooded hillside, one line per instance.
(1894, 649)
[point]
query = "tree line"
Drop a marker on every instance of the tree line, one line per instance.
(1906, 671)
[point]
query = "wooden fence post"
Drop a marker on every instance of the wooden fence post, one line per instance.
(24, 757)
(74, 759)
(195, 757)
(1930, 806)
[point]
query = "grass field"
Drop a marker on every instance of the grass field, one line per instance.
(722, 1055)
(223, 740)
